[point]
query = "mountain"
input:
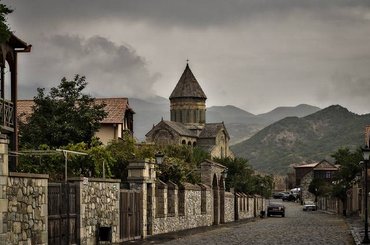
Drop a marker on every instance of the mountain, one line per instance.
(295, 140)
(241, 124)
(229, 114)
(286, 111)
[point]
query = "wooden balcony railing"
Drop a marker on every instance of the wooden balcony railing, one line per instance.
(7, 115)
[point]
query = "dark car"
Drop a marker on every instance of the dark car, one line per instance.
(278, 195)
(275, 209)
(289, 197)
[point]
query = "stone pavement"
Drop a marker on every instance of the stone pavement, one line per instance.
(298, 227)
(357, 228)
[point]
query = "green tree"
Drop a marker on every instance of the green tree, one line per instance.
(242, 177)
(4, 28)
(64, 116)
(319, 187)
(345, 177)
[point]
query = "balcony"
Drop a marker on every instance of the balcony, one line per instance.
(6, 116)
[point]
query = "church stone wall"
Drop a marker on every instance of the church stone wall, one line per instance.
(229, 207)
(192, 216)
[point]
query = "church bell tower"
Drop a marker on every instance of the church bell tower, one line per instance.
(188, 101)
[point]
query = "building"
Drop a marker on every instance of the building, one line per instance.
(188, 124)
(118, 121)
(9, 90)
(306, 173)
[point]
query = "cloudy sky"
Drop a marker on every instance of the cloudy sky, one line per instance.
(255, 54)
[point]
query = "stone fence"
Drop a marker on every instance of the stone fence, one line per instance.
(247, 206)
(180, 208)
(27, 217)
(189, 206)
(100, 206)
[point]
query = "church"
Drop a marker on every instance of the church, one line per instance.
(188, 121)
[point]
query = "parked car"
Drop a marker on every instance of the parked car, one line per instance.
(289, 197)
(309, 205)
(275, 209)
(278, 195)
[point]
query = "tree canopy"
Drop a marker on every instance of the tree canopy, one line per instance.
(348, 170)
(242, 177)
(64, 116)
(4, 28)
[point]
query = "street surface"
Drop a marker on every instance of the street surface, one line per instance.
(298, 227)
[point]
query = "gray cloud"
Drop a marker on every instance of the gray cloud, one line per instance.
(250, 53)
(110, 68)
(194, 13)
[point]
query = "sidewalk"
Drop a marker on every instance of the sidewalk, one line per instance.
(357, 228)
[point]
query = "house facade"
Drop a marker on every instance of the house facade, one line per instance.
(8, 98)
(119, 120)
(188, 124)
(307, 172)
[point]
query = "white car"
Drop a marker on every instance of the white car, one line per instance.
(309, 205)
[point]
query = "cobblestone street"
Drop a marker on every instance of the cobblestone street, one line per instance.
(298, 227)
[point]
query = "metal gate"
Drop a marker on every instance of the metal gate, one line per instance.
(130, 220)
(63, 213)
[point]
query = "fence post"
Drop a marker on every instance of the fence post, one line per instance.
(4, 173)
(141, 177)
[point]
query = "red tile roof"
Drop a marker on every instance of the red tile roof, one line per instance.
(115, 107)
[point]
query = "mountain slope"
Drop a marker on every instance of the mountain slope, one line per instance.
(229, 114)
(286, 111)
(241, 124)
(295, 140)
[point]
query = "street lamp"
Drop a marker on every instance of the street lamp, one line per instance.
(159, 157)
(366, 155)
(224, 174)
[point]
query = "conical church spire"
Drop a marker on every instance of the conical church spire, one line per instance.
(188, 86)
(188, 101)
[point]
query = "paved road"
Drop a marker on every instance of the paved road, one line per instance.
(298, 227)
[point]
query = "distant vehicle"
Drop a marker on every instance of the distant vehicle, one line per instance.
(278, 195)
(290, 197)
(275, 209)
(309, 205)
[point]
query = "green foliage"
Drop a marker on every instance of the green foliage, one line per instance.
(242, 177)
(122, 151)
(319, 187)
(4, 28)
(348, 170)
(181, 163)
(65, 116)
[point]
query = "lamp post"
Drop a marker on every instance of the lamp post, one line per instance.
(159, 157)
(366, 155)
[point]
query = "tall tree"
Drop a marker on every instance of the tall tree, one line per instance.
(346, 175)
(64, 116)
(4, 28)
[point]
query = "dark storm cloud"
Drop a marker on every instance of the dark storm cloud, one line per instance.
(286, 45)
(110, 68)
(195, 13)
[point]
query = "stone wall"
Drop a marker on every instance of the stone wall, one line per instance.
(99, 200)
(193, 216)
(27, 217)
(229, 207)
(246, 206)
(305, 183)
